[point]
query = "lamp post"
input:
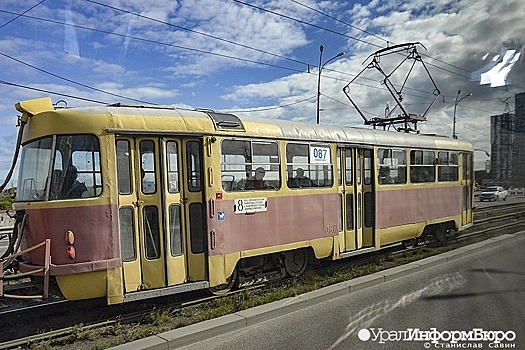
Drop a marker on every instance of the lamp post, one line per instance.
(321, 66)
(454, 136)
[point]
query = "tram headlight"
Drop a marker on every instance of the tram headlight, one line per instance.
(70, 237)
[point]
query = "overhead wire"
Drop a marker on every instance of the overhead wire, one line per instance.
(156, 42)
(391, 42)
(196, 32)
(337, 33)
(199, 33)
(221, 39)
(306, 64)
(73, 81)
(339, 20)
(3, 82)
(306, 23)
(23, 13)
(249, 47)
(173, 45)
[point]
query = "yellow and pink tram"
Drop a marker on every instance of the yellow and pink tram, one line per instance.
(146, 201)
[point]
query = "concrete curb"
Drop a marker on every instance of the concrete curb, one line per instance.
(224, 324)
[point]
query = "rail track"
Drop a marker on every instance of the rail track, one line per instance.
(60, 322)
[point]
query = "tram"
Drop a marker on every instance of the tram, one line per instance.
(143, 201)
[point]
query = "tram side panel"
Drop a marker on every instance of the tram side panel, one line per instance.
(259, 224)
(420, 207)
(94, 250)
(418, 190)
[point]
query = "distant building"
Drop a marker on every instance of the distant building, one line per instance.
(507, 145)
(519, 141)
(502, 148)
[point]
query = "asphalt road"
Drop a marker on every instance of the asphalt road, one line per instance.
(482, 294)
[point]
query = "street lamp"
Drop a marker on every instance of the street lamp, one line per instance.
(321, 66)
(454, 136)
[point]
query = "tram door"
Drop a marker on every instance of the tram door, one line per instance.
(467, 182)
(356, 197)
(153, 211)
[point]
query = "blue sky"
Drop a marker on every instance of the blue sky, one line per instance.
(260, 58)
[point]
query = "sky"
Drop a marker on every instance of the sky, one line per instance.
(261, 58)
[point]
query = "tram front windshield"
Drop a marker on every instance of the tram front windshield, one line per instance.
(60, 167)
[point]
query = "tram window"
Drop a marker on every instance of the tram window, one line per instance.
(468, 171)
(74, 173)
(197, 231)
(123, 167)
(127, 236)
(80, 164)
(358, 169)
(34, 170)
(359, 211)
(369, 209)
(349, 212)
(308, 165)
(348, 166)
(367, 166)
(173, 167)
(447, 166)
(150, 224)
(391, 164)
(194, 166)
(175, 231)
(422, 168)
(339, 168)
(148, 169)
(250, 165)
(340, 212)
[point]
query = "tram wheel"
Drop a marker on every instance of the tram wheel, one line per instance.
(440, 235)
(409, 243)
(231, 283)
(296, 262)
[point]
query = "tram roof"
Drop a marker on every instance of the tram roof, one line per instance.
(154, 119)
(359, 136)
(287, 129)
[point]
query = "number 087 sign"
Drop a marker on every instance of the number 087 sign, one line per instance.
(319, 155)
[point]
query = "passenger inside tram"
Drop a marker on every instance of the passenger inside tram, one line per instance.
(300, 180)
(72, 188)
(256, 182)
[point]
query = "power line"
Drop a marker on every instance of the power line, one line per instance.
(345, 35)
(203, 51)
(218, 38)
(176, 46)
(387, 41)
(72, 81)
(339, 20)
(151, 41)
(199, 33)
(250, 47)
(192, 49)
(306, 23)
(50, 92)
(23, 13)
